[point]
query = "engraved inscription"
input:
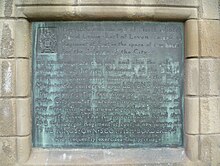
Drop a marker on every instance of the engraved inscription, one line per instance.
(107, 84)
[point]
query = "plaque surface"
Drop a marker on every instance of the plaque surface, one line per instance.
(107, 84)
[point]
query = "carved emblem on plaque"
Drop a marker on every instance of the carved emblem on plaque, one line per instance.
(47, 40)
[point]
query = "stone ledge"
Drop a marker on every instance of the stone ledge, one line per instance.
(45, 2)
(107, 13)
(107, 156)
(140, 2)
(112, 2)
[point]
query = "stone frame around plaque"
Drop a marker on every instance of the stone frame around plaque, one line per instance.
(188, 14)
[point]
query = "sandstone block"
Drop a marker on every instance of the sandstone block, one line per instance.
(191, 115)
(15, 38)
(7, 75)
(210, 149)
(210, 115)
(210, 38)
(7, 8)
(192, 146)
(24, 147)
(209, 9)
(23, 109)
(209, 77)
(7, 39)
(7, 151)
(192, 77)
(22, 38)
(23, 81)
(191, 38)
(7, 117)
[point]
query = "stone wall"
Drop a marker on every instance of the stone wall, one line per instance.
(15, 119)
(202, 77)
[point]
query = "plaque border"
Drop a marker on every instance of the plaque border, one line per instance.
(31, 156)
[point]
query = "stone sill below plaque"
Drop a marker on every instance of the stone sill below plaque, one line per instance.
(107, 156)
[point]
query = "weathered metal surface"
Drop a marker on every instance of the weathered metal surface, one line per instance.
(107, 84)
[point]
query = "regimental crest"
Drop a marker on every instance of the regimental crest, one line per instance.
(47, 40)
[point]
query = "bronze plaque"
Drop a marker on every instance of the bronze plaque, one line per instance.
(107, 84)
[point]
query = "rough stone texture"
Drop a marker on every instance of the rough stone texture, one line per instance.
(209, 77)
(11, 70)
(7, 151)
(191, 115)
(210, 149)
(7, 75)
(210, 115)
(210, 38)
(209, 9)
(15, 33)
(192, 77)
(192, 146)
(8, 9)
(7, 117)
(15, 117)
(23, 109)
(191, 38)
(7, 44)
(23, 81)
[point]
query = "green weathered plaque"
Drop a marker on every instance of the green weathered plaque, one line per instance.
(107, 84)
